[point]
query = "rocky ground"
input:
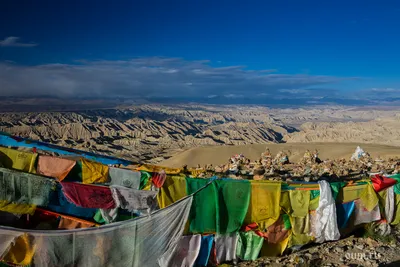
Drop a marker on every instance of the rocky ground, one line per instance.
(365, 248)
(280, 166)
(351, 251)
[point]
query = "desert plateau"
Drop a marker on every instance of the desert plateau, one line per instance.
(199, 133)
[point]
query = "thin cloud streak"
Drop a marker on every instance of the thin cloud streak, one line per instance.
(12, 41)
(153, 77)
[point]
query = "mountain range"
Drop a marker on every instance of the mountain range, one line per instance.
(155, 132)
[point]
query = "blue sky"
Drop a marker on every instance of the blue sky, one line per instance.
(292, 49)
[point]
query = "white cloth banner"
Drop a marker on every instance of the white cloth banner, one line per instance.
(134, 200)
(185, 254)
(326, 228)
(389, 205)
(137, 242)
(123, 177)
(226, 247)
(362, 215)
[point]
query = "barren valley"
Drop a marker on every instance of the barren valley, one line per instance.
(153, 133)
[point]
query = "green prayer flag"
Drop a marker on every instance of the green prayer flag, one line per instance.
(249, 246)
(396, 187)
(314, 194)
(120, 217)
(76, 173)
(98, 217)
(336, 186)
(233, 202)
(221, 207)
(286, 221)
(203, 212)
(144, 178)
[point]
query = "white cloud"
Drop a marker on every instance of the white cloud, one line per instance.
(310, 92)
(294, 91)
(12, 41)
(377, 95)
(233, 96)
(385, 90)
(155, 76)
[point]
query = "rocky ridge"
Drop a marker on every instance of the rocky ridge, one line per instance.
(384, 131)
(149, 133)
(297, 116)
(153, 133)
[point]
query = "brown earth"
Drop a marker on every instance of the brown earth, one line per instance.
(351, 251)
(220, 155)
(379, 131)
(147, 133)
(153, 133)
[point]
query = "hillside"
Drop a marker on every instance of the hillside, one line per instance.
(221, 155)
(149, 133)
(379, 131)
(153, 133)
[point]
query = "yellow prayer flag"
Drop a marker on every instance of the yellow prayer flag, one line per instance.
(299, 239)
(173, 189)
(285, 202)
(396, 219)
(154, 168)
(274, 249)
(94, 172)
(300, 225)
(264, 208)
(369, 198)
(350, 193)
(17, 208)
(300, 202)
(21, 251)
(18, 160)
(314, 203)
